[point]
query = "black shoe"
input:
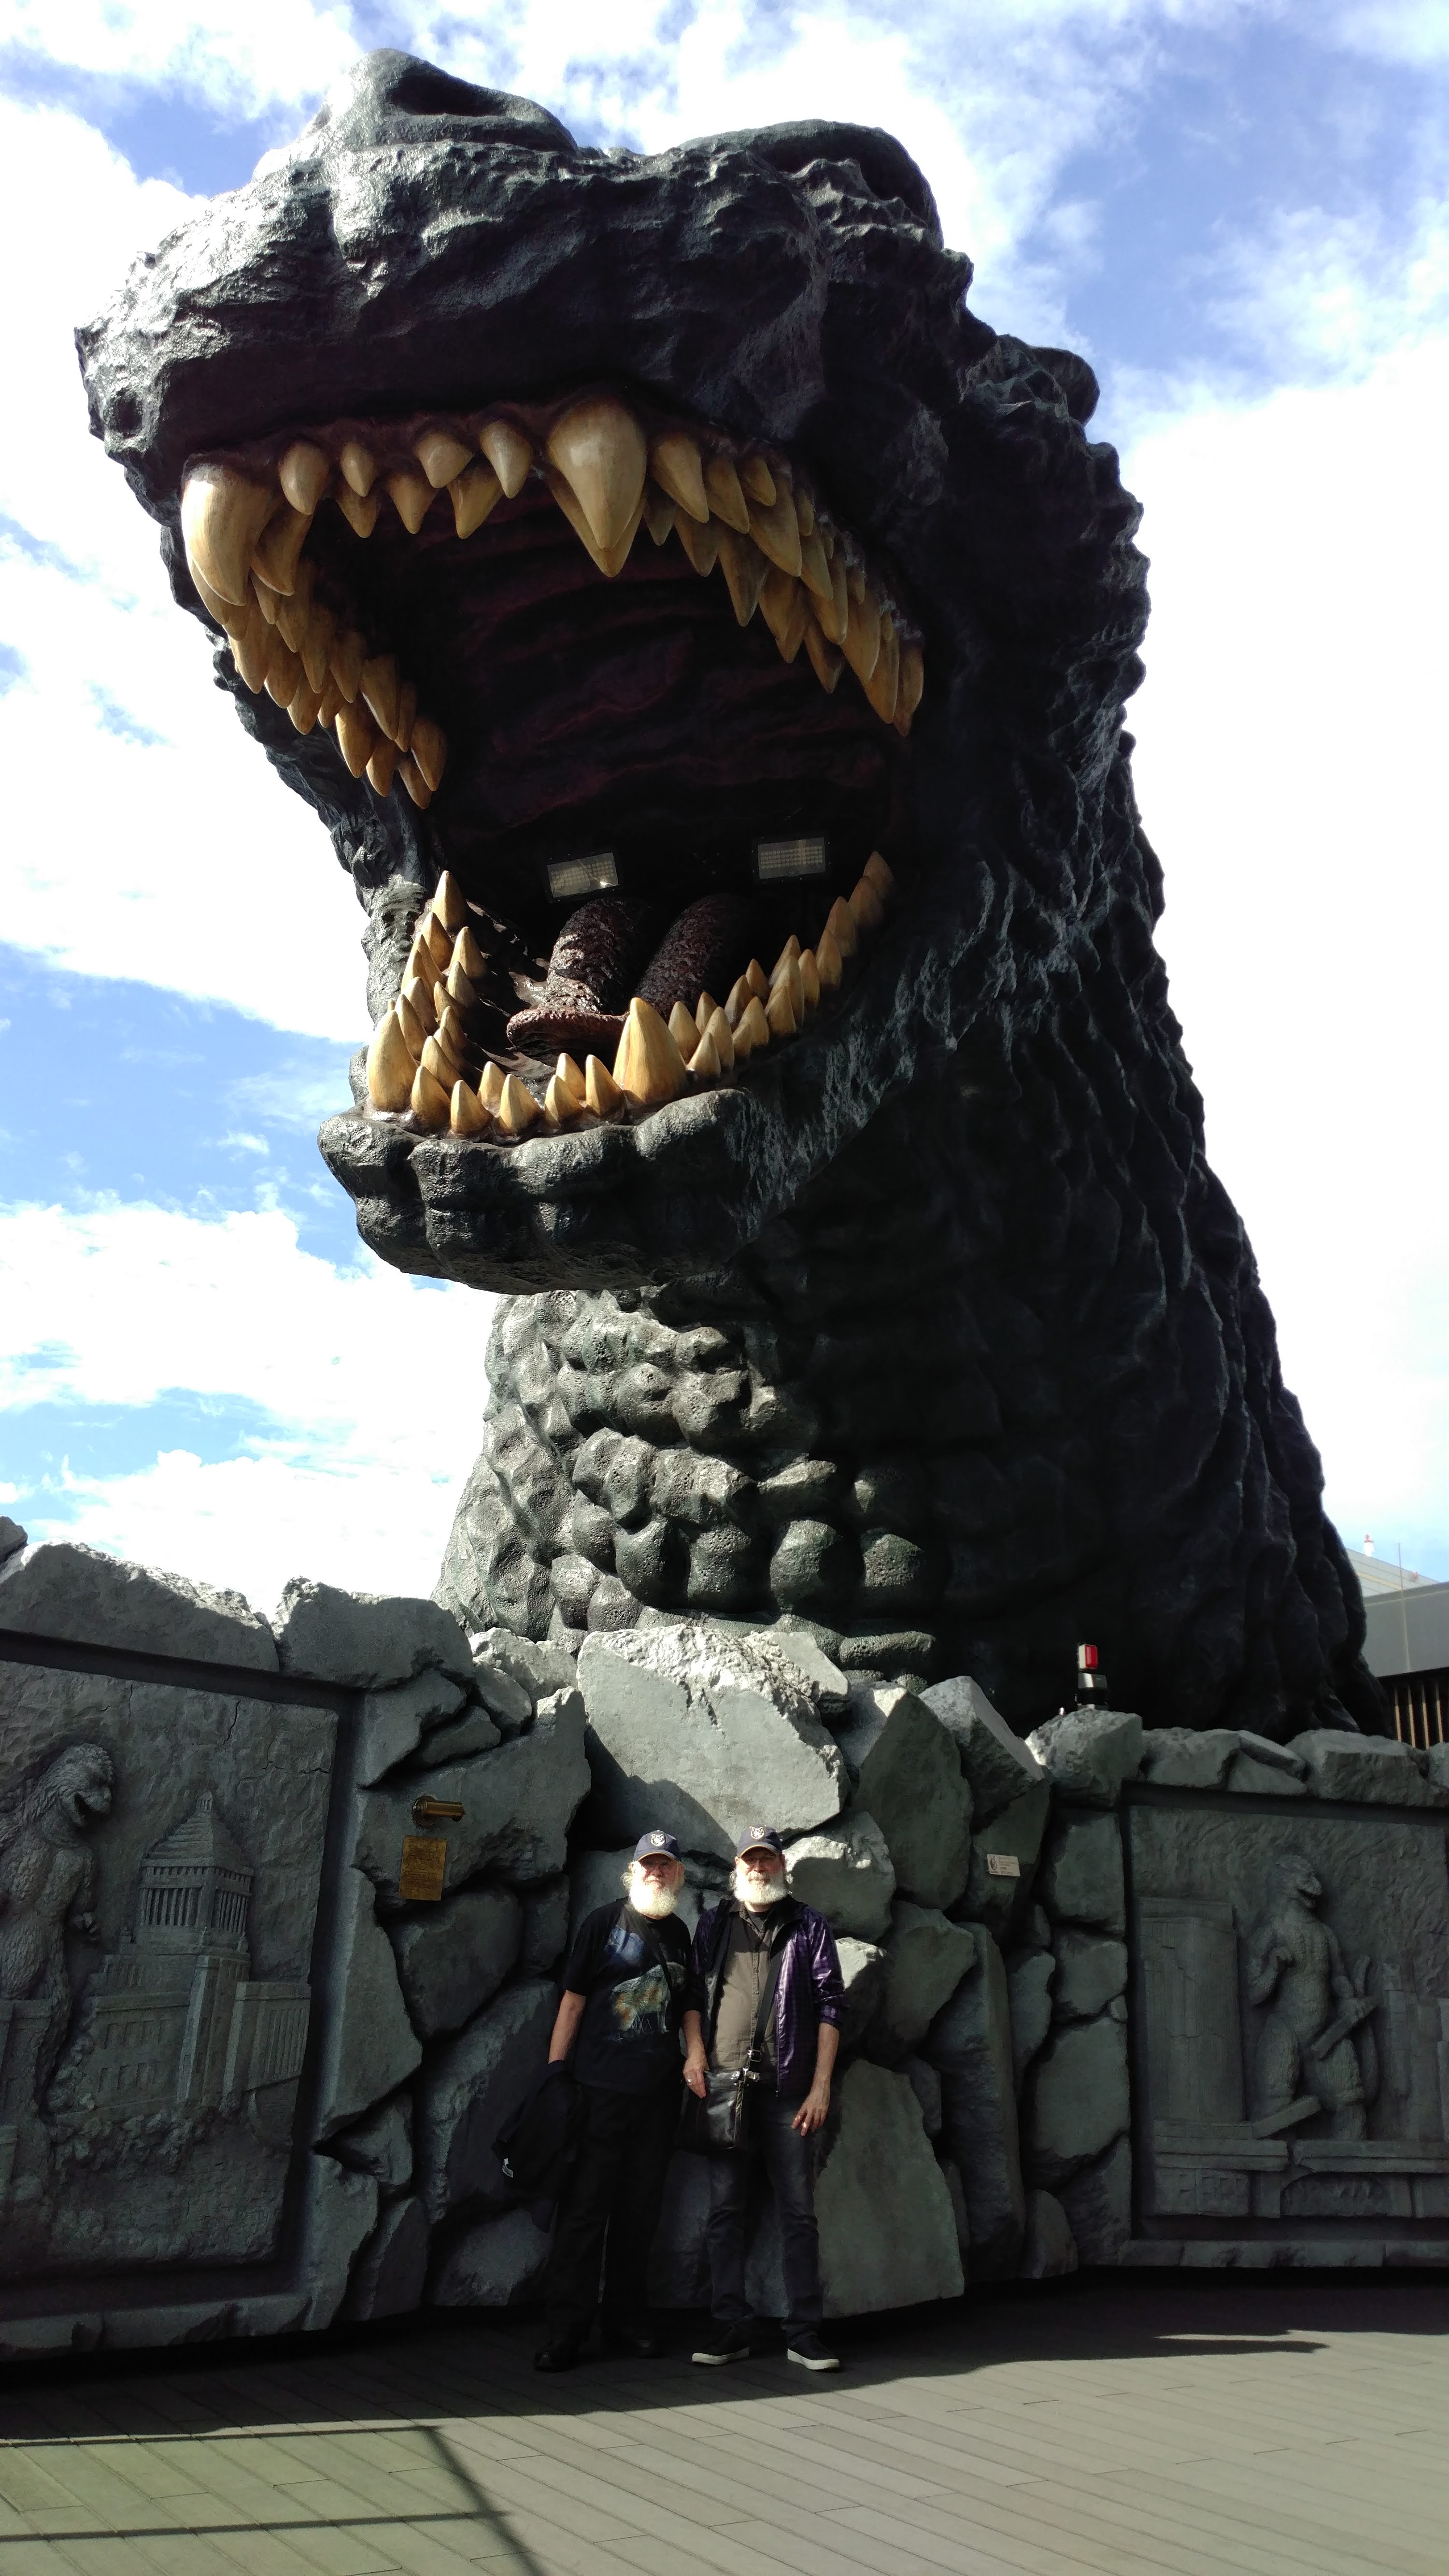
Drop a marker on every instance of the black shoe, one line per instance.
(727, 2343)
(641, 2343)
(811, 2352)
(562, 2355)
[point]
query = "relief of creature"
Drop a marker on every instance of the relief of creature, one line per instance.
(1314, 2039)
(48, 1883)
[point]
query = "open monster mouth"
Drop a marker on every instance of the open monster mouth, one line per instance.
(666, 827)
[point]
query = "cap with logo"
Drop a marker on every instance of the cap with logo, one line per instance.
(656, 1846)
(759, 1838)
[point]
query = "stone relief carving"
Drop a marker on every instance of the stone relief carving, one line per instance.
(173, 2072)
(1289, 2075)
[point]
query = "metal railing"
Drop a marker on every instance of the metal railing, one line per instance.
(1420, 1703)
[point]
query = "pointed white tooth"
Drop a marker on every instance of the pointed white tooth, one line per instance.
(659, 513)
(610, 559)
(826, 663)
(701, 545)
(805, 509)
(569, 1074)
(752, 1032)
(757, 482)
(648, 1066)
(284, 672)
(429, 749)
(726, 500)
(675, 466)
(379, 686)
(866, 907)
(508, 452)
(431, 1104)
(744, 569)
(704, 1064)
(785, 607)
(305, 707)
(276, 552)
(249, 648)
(418, 994)
(359, 468)
(449, 904)
(473, 495)
(230, 614)
(787, 957)
(441, 455)
(757, 980)
(304, 474)
(293, 611)
(267, 599)
(559, 1103)
(815, 571)
(517, 1108)
(722, 1038)
(222, 516)
(841, 925)
(407, 711)
(490, 1087)
(389, 1066)
(683, 1030)
(829, 965)
(415, 783)
(469, 956)
(444, 1069)
(382, 768)
(776, 531)
(315, 644)
(414, 1028)
(780, 1010)
(883, 685)
(356, 737)
(411, 495)
(467, 1115)
(360, 512)
(880, 876)
(601, 1091)
(345, 662)
(809, 979)
(704, 1011)
(913, 677)
(599, 449)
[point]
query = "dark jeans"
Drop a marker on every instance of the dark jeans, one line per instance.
(613, 2190)
(777, 2154)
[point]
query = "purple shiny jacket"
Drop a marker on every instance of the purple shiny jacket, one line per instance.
(809, 1992)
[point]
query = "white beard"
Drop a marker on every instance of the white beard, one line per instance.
(651, 1900)
(756, 1891)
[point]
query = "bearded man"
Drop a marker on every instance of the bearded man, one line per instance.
(765, 1996)
(618, 2022)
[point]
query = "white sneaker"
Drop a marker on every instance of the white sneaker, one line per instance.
(812, 2353)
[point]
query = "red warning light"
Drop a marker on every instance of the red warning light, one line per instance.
(1086, 1659)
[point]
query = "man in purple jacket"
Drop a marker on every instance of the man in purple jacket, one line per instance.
(762, 1952)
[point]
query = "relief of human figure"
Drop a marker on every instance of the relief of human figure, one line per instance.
(1307, 2044)
(48, 1876)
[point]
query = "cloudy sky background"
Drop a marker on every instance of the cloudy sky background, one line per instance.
(1236, 209)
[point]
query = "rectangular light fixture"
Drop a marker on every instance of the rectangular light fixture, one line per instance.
(777, 859)
(570, 878)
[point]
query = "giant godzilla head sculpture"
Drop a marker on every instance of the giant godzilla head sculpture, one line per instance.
(663, 579)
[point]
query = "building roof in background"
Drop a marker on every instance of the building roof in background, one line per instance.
(1381, 1573)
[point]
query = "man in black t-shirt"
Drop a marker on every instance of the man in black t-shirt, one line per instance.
(618, 2025)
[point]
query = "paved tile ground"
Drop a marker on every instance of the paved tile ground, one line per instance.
(1189, 2426)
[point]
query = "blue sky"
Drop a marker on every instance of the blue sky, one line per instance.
(1237, 211)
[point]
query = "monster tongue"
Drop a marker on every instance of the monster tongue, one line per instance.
(610, 950)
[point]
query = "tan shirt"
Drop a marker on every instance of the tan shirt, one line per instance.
(746, 1968)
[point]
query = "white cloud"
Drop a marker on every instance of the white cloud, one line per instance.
(174, 855)
(241, 59)
(1290, 770)
(354, 1470)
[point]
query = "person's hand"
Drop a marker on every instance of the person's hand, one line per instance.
(696, 2068)
(813, 2111)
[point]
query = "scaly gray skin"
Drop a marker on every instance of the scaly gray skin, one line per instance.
(936, 1329)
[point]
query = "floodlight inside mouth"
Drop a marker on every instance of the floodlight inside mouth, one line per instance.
(777, 860)
(571, 880)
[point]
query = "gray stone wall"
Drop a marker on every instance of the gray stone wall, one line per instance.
(1113, 1996)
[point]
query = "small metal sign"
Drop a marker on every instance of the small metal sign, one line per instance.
(424, 1867)
(1003, 1865)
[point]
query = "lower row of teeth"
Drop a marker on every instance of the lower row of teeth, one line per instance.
(424, 1058)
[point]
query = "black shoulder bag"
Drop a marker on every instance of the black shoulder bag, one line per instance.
(718, 2122)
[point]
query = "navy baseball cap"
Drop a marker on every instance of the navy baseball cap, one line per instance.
(759, 1838)
(656, 1846)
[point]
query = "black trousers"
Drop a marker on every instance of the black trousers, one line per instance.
(779, 2155)
(612, 2193)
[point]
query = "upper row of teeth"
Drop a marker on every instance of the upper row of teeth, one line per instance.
(424, 1057)
(245, 526)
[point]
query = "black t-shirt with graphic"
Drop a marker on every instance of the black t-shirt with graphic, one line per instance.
(632, 1973)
